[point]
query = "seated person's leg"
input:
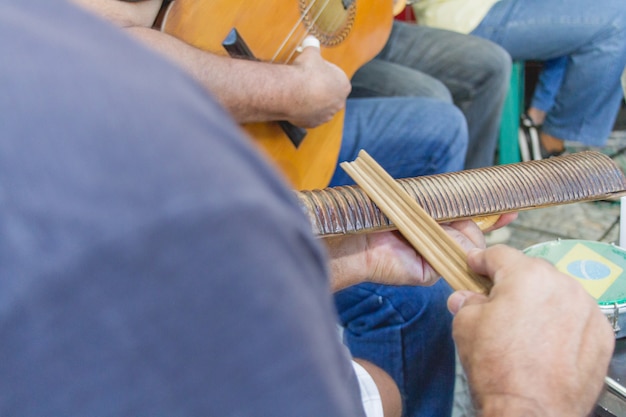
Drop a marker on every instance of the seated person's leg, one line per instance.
(382, 78)
(408, 136)
(429, 62)
(407, 332)
(589, 97)
(548, 85)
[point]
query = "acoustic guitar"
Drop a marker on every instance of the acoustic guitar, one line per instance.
(351, 32)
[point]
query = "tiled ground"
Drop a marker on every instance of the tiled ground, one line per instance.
(597, 221)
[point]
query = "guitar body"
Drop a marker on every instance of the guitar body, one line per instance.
(273, 29)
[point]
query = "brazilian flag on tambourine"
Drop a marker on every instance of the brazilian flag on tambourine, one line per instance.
(598, 266)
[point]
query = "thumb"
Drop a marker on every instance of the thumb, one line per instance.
(460, 299)
(310, 41)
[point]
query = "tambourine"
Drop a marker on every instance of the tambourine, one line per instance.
(599, 267)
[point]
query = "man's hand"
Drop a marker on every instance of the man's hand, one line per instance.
(320, 89)
(537, 345)
(387, 258)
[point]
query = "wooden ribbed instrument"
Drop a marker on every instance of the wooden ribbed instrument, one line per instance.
(583, 176)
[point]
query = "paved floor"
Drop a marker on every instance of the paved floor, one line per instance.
(598, 221)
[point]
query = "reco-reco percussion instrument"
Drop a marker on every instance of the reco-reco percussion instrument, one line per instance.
(475, 193)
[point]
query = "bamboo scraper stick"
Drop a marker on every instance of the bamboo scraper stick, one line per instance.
(442, 252)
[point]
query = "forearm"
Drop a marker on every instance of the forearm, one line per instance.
(307, 92)
(510, 406)
(388, 391)
(519, 406)
(251, 91)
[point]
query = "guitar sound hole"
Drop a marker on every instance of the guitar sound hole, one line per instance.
(330, 21)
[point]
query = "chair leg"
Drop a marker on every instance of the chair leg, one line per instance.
(508, 144)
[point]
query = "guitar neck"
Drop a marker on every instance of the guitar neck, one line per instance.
(583, 176)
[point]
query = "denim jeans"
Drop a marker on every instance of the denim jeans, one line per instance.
(592, 35)
(408, 136)
(455, 68)
(407, 331)
(549, 83)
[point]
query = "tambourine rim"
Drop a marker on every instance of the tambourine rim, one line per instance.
(605, 305)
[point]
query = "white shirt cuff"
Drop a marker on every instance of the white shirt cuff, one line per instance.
(370, 396)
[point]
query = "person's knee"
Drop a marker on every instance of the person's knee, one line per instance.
(444, 136)
(437, 90)
(451, 139)
(422, 306)
(417, 84)
(365, 307)
(441, 121)
(391, 306)
(496, 64)
(453, 132)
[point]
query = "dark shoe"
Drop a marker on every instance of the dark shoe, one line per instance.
(545, 154)
(530, 145)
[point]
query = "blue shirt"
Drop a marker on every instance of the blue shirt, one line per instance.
(151, 264)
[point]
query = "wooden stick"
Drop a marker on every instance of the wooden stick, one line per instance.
(427, 237)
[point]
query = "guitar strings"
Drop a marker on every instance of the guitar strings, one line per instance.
(293, 29)
(306, 33)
